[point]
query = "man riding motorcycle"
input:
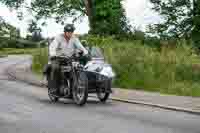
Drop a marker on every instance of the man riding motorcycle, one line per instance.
(63, 45)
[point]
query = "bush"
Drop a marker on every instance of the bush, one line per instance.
(40, 59)
(26, 44)
(3, 44)
(19, 43)
(12, 43)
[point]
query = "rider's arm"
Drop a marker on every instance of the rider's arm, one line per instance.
(53, 47)
(79, 46)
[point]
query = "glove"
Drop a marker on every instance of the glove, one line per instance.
(80, 53)
(52, 58)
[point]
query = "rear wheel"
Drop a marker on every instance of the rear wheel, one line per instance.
(80, 88)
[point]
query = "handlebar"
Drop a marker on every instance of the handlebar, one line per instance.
(66, 58)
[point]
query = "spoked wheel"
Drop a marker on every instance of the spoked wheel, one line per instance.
(51, 97)
(80, 88)
(103, 96)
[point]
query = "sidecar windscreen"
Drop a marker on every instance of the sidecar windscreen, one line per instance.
(96, 53)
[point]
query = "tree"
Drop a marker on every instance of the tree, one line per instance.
(32, 26)
(181, 18)
(18, 33)
(35, 31)
(8, 30)
(109, 18)
(2, 27)
(105, 16)
(196, 23)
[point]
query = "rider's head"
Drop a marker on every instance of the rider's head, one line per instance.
(68, 30)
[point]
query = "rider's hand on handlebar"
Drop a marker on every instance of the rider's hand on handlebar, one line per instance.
(53, 58)
(78, 53)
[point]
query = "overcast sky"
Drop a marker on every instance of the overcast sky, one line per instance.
(138, 12)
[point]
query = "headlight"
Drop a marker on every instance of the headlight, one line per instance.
(99, 69)
(108, 72)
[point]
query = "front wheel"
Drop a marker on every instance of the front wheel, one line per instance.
(51, 97)
(51, 91)
(80, 88)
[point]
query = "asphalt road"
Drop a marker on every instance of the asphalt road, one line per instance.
(27, 109)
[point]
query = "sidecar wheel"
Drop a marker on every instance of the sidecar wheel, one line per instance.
(80, 89)
(103, 97)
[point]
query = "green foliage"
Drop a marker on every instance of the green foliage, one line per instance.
(94, 40)
(40, 59)
(12, 43)
(3, 44)
(181, 20)
(139, 35)
(109, 18)
(2, 27)
(196, 21)
(8, 30)
(153, 42)
(179, 17)
(35, 30)
(106, 17)
(18, 43)
(32, 26)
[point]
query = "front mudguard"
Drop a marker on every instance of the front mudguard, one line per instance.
(95, 85)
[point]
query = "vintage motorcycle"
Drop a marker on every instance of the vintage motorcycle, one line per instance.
(78, 79)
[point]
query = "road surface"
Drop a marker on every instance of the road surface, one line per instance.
(27, 109)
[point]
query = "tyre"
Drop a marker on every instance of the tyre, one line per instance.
(51, 97)
(51, 91)
(103, 96)
(80, 88)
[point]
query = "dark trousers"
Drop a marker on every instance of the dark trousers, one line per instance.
(54, 79)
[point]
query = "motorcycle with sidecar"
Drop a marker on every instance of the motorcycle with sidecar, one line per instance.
(80, 79)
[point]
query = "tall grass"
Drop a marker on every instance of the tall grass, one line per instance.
(171, 71)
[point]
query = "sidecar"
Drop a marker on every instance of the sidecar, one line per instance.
(100, 74)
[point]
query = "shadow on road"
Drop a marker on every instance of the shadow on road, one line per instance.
(70, 103)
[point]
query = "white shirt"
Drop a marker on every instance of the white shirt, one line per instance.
(60, 46)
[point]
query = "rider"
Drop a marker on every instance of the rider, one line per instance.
(63, 44)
